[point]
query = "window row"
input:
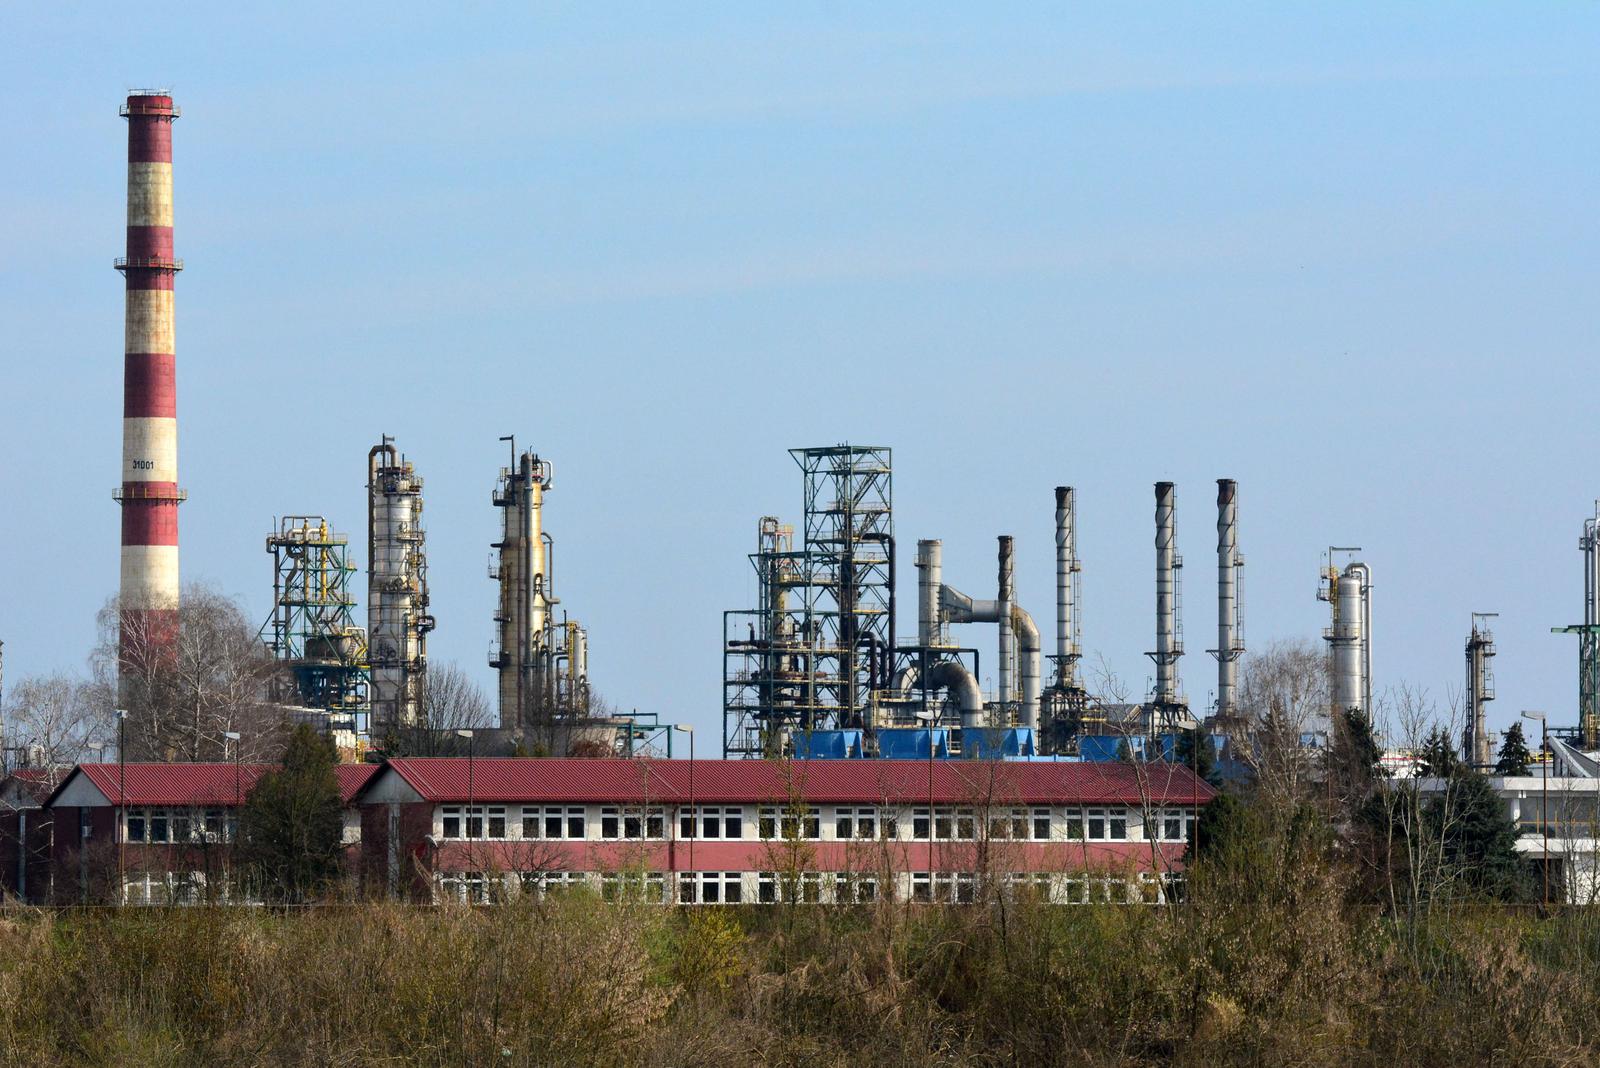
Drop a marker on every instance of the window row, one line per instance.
(842, 823)
(733, 888)
(179, 825)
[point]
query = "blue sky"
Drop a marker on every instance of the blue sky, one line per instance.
(1343, 254)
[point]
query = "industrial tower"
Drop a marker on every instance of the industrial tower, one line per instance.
(1230, 602)
(397, 592)
(820, 642)
(312, 631)
(149, 494)
(1475, 748)
(1588, 633)
(543, 663)
(1349, 596)
(1167, 705)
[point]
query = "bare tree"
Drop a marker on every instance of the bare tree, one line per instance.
(53, 721)
(1284, 701)
(185, 692)
(451, 701)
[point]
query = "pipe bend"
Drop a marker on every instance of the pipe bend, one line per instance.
(957, 607)
(954, 676)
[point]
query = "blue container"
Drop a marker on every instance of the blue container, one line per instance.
(827, 745)
(911, 743)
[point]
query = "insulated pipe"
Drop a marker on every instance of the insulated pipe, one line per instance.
(930, 569)
(1229, 643)
(957, 607)
(954, 676)
(1166, 654)
(1008, 651)
(1027, 638)
(148, 598)
(1066, 564)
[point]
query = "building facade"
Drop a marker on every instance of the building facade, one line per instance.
(673, 831)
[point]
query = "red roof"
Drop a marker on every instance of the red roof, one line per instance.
(513, 779)
(196, 784)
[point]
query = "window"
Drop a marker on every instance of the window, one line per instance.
(1041, 825)
(554, 822)
(539, 883)
(634, 823)
(860, 889)
(469, 886)
(1009, 824)
(136, 823)
(919, 825)
(715, 823)
(851, 823)
(790, 823)
(1097, 825)
(158, 825)
(767, 887)
(1029, 884)
(213, 823)
(610, 827)
(1074, 823)
(714, 887)
(921, 887)
(478, 822)
(1175, 825)
(1119, 825)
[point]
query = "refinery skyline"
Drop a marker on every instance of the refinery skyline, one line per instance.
(1368, 310)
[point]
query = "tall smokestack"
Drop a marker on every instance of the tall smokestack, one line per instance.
(1066, 599)
(1168, 644)
(1230, 632)
(1008, 651)
(149, 494)
(930, 575)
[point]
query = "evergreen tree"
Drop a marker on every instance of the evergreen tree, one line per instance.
(1193, 749)
(1225, 826)
(291, 828)
(1479, 837)
(1439, 757)
(1514, 755)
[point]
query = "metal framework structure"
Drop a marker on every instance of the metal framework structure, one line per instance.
(819, 644)
(313, 630)
(1588, 633)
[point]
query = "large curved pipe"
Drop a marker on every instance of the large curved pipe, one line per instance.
(1027, 639)
(957, 607)
(954, 676)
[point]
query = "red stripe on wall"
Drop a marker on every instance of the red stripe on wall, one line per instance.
(148, 278)
(149, 386)
(149, 522)
(149, 242)
(149, 139)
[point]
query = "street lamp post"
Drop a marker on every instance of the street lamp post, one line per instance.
(694, 828)
(1544, 794)
(927, 717)
(122, 799)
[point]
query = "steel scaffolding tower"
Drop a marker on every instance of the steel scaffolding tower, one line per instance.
(819, 642)
(313, 630)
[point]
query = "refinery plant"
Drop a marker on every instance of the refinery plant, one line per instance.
(823, 665)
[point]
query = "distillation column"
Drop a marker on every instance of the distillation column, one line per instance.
(524, 649)
(149, 494)
(1351, 638)
(1480, 691)
(1230, 624)
(397, 591)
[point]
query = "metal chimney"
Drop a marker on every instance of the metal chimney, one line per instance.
(1067, 623)
(1007, 595)
(1230, 622)
(930, 574)
(1169, 644)
(1480, 690)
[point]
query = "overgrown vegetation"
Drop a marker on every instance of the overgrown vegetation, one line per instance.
(1274, 958)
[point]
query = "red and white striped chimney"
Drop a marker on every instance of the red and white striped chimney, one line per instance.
(149, 494)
